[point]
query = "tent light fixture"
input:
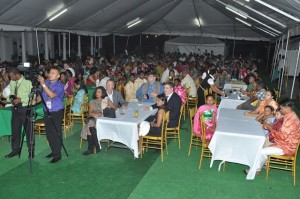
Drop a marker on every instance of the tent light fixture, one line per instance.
(133, 22)
(236, 11)
(273, 29)
(244, 22)
(58, 14)
(278, 10)
(268, 32)
(260, 13)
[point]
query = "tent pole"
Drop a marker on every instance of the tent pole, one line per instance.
(295, 73)
(127, 42)
(69, 44)
(37, 46)
(141, 39)
(268, 56)
(233, 48)
(114, 44)
(95, 45)
(78, 46)
(91, 46)
(46, 56)
(278, 59)
(284, 61)
(64, 47)
(23, 48)
(59, 50)
(274, 58)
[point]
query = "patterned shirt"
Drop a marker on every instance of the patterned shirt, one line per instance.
(261, 95)
(288, 135)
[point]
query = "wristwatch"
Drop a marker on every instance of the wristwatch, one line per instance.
(43, 85)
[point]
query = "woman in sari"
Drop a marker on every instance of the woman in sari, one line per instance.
(180, 90)
(210, 111)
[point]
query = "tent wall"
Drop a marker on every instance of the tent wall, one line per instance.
(11, 44)
(194, 48)
(291, 61)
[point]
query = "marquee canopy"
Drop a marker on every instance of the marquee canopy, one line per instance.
(239, 19)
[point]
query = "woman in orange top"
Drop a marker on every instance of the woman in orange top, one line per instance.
(269, 100)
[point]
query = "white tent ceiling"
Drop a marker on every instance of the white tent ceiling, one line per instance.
(175, 17)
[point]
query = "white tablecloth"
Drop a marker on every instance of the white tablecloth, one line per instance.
(123, 128)
(238, 139)
(232, 101)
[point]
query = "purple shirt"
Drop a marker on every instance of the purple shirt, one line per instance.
(56, 103)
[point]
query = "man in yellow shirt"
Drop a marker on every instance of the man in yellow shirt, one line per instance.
(20, 88)
(130, 93)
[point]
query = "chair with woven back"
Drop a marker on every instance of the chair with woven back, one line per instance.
(191, 101)
(205, 152)
(186, 105)
(157, 142)
(75, 117)
(195, 138)
(66, 119)
(174, 132)
(283, 162)
(86, 102)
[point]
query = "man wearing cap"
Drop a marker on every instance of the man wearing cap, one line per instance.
(149, 90)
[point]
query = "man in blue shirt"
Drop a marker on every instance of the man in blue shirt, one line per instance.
(148, 91)
(53, 94)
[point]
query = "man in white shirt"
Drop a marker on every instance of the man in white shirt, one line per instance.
(103, 81)
(115, 96)
(166, 74)
(188, 82)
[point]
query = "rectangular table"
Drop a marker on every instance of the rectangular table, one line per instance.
(124, 128)
(237, 139)
(232, 101)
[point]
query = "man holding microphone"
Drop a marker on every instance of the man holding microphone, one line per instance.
(53, 94)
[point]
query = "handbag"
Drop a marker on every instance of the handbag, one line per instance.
(109, 112)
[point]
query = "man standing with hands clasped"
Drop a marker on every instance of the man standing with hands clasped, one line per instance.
(20, 89)
(53, 93)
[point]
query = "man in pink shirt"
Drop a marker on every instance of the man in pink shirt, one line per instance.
(286, 139)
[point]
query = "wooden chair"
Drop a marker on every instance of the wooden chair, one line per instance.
(86, 102)
(205, 152)
(66, 120)
(39, 127)
(283, 162)
(157, 142)
(206, 92)
(277, 94)
(174, 133)
(186, 105)
(77, 116)
(195, 139)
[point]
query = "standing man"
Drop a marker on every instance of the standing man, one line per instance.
(188, 82)
(53, 93)
(20, 89)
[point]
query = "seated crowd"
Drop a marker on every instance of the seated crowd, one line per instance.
(165, 81)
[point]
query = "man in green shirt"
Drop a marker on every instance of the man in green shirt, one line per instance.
(20, 89)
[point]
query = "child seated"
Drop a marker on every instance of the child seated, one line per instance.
(277, 123)
(268, 116)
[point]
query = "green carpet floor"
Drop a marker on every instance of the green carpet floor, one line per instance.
(116, 174)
